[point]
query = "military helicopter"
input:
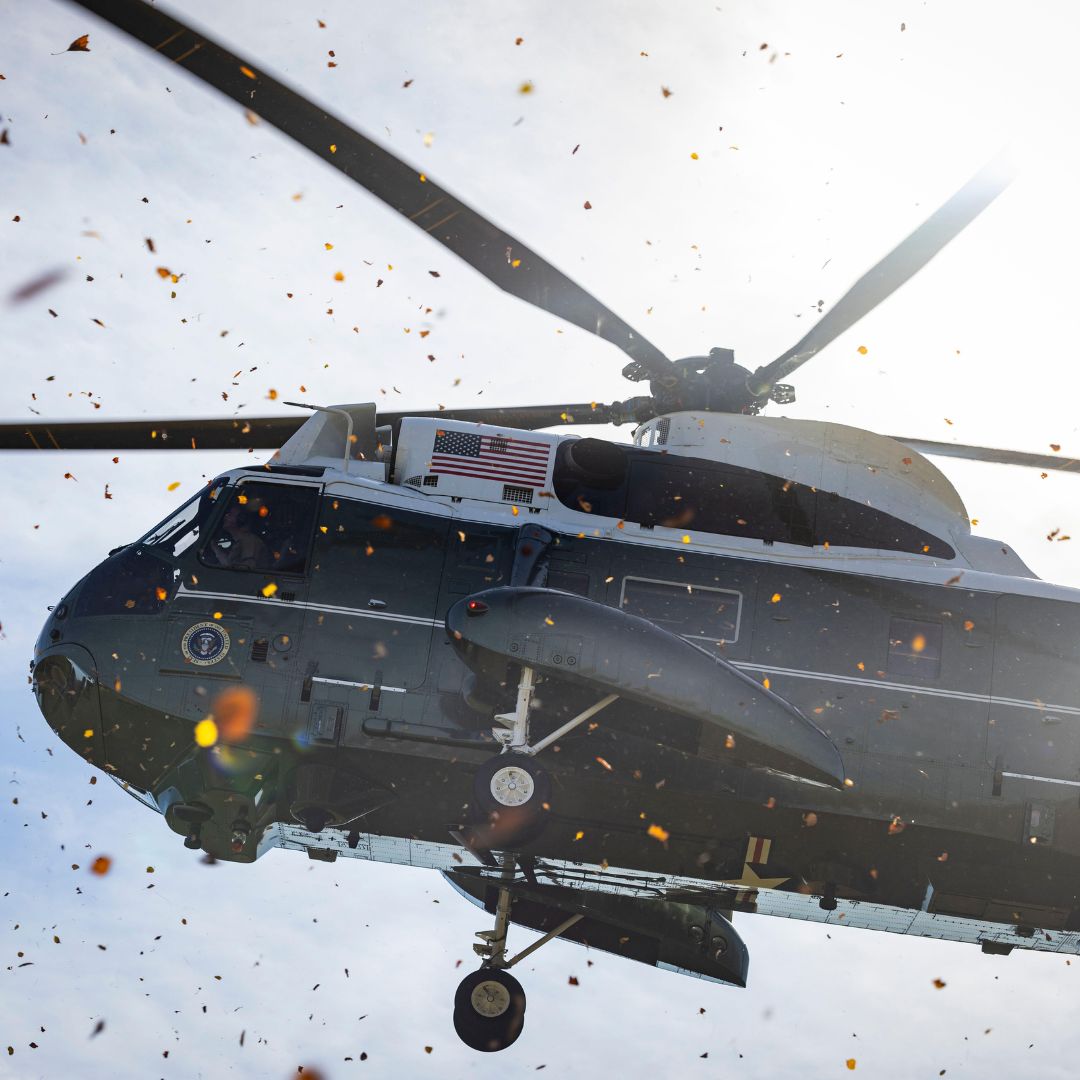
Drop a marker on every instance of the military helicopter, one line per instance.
(613, 693)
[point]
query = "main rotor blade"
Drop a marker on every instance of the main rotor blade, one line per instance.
(1044, 462)
(880, 281)
(500, 257)
(260, 432)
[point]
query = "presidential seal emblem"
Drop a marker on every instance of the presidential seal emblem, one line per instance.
(205, 643)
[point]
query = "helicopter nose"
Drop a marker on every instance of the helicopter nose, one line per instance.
(66, 689)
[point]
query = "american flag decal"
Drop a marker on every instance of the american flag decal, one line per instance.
(491, 457)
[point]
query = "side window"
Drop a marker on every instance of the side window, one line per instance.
(265, 527)
(705, 615)
(914, 648)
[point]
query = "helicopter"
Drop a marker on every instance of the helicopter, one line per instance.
(469, 641)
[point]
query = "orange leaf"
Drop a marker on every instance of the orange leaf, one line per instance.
(80, 44)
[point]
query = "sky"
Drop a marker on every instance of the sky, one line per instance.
(822, 133)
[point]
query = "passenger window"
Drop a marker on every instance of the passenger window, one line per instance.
(705, 615)
(914, 648)
(265, 527)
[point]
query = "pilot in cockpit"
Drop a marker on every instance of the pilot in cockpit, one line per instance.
(237, 545)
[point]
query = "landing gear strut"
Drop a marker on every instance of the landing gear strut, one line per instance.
(512, 792)
(489, 1006)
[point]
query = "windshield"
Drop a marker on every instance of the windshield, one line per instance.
(183, 528)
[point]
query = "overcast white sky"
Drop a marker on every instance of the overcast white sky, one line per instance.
(816, 154)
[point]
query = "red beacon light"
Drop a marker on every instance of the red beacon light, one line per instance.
(475, 607)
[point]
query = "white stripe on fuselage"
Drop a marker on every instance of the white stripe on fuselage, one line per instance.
(331, 609)
(764, 669)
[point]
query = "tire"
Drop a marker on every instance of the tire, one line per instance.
(489, 1010)
(511, 800)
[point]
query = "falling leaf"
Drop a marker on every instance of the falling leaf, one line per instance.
(658, 832)
(896, 826)
(939, 984)
(518, 41)
(36, 285)
(236, 711)
(173, 486)
(269, 590)
(693, 155)
(663, 89)
(339, 276)
(1055, 447)
(775, 598)
(862, 350)
(248, 72)
(101, 865)
(588, 205)
(603, 763)
(573, 981)
(850, 1063)
(206, 732)
(809, 819)
(525, 88)
(80, 44)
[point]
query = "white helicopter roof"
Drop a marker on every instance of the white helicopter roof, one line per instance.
(856, 464)
(859, 465)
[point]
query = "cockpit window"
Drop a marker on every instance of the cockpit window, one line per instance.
(265, 527)
(184, 527)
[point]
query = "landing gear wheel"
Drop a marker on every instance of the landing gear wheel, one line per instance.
(489, 1010)
(511, 797)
